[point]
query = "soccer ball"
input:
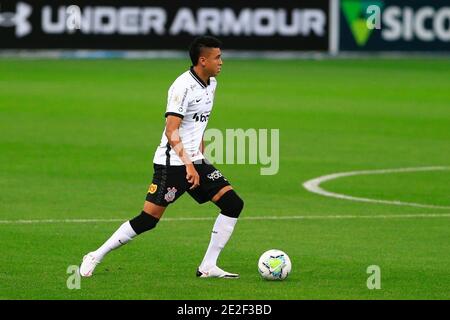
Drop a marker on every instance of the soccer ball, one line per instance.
(274, 265)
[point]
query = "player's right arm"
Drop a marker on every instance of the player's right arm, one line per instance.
(172, 133)
(177, 105)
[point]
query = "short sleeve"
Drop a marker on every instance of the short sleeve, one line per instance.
(177, 100)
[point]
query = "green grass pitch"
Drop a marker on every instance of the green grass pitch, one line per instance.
(77, 140)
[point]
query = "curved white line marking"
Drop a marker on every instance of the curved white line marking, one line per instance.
(314, 186)
(328, 217)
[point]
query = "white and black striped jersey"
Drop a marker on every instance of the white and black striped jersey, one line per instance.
(192, 100)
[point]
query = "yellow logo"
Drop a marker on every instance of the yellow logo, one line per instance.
(153, 188)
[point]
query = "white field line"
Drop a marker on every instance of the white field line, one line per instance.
(327, 217)
(314, 186)
(311, 185)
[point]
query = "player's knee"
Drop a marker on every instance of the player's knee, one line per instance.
(143, 222)
(230, 204)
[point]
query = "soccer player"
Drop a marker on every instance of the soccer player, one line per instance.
(179, 164)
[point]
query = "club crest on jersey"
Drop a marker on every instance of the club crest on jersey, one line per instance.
(153, 188)
(170, 195)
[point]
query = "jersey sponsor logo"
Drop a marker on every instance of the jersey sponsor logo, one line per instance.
(170, 195)
(202, 117)
(153, 188)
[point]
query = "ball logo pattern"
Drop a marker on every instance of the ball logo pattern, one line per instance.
(274, 265)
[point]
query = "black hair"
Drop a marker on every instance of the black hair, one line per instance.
(202, 42)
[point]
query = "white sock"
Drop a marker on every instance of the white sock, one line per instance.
(222, 230)
(124, 234)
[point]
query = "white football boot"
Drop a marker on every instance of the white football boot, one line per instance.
(216, 272)
(88, 265)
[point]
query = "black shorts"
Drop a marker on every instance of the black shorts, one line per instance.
(169, 183)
